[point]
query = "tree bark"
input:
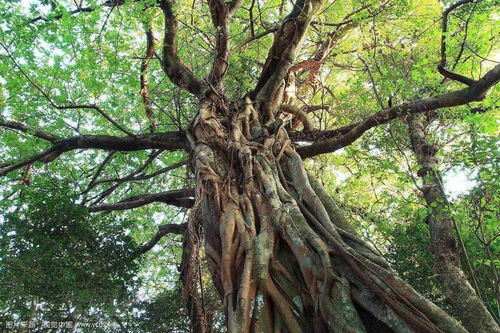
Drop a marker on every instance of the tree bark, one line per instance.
(281, 255)
(462, 297)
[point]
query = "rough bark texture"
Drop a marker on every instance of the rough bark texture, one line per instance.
(281, 255)
(459, 293)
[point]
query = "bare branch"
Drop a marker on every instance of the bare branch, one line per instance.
(100, 111)
(164, 230)
(454, 76)
(351, 133)
(372, 80)
(25, 128)
(180, 198)
(165, 141)
(98, 198)
(110, 3)
(347, 19)
(143, 177)
(57, 17)
(252, 38)
(99, 170)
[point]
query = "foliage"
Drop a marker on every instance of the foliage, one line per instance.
(59, 259)
(163, 313)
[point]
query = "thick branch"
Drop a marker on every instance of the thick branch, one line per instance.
(351, 133)
(234, 5)
(465, 300)
(296, 111)
(25, 128)
(180, 198)
(5, 169)
(287, 40)
(219, 11)
(172, 64)
(454, 76)
(164, 230)
(165, 141)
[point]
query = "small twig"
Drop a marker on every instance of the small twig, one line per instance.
(374, 86)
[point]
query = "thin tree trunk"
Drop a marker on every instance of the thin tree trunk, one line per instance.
(464, 300)
(281, 255)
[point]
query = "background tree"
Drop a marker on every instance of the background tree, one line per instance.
(217, 116)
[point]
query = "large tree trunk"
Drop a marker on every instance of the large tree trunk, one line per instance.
(464, 300)
(281, 255)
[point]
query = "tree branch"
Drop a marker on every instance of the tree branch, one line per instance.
(164, 230)
(110, 3)
(135, 177)
(172, 65)
(100, 111)
(441, 67)
(252, 38)
(323, 51)
(98, 198)
(234, 5)
(301, 115)
(165, 141)
(351, 133)
(5, 169)
(180, 198)
(150, 52)
(25, 128)
(99, 170)
(282, 54)
(219, 12)
(347, 19)
(57, 17)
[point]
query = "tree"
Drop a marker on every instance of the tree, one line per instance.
(282, 256)
(58, 261)
(463, 298)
